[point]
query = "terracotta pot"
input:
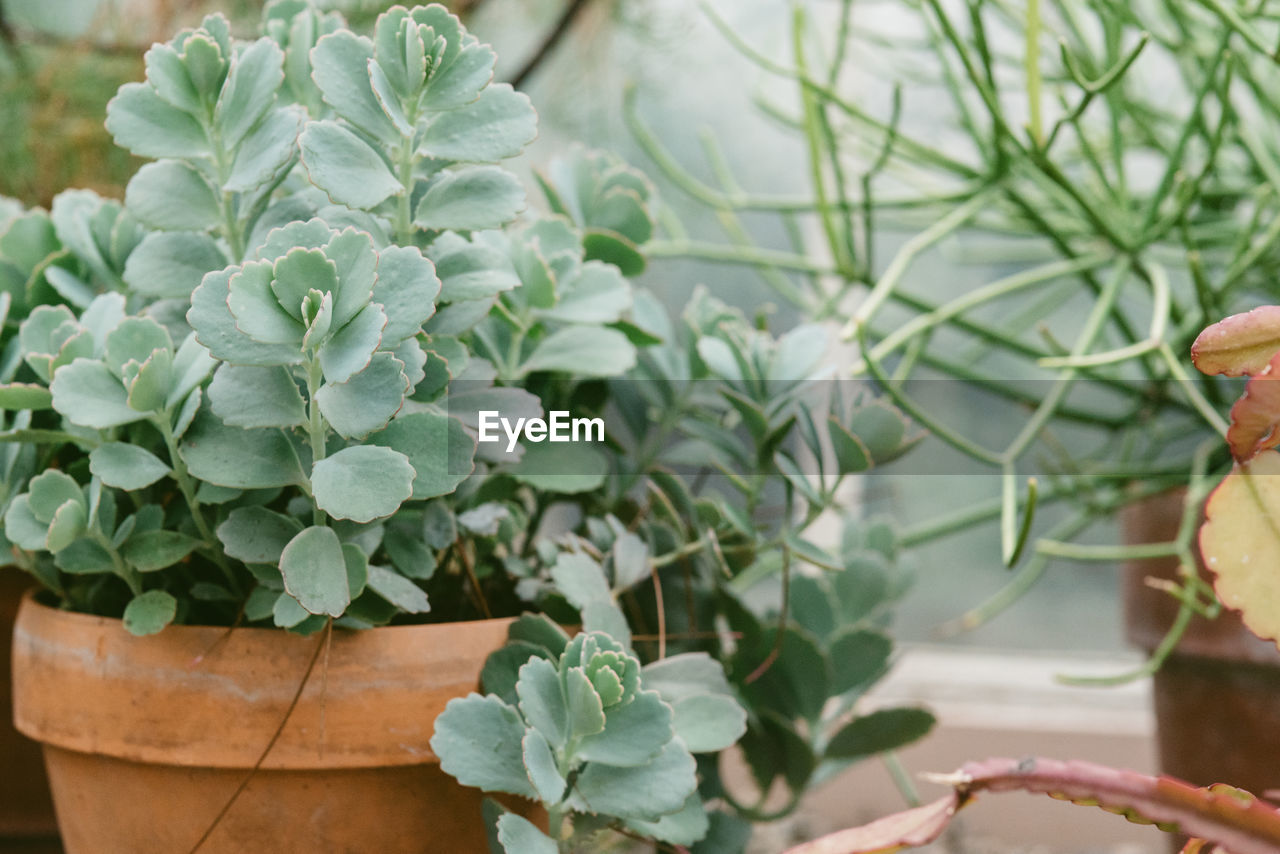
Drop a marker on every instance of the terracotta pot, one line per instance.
(1217, 697)
(146, 739)
(25, 807)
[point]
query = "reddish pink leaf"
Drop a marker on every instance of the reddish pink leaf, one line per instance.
(1255, 416)
(1223, 816)
(1241, 344)
(919, 826)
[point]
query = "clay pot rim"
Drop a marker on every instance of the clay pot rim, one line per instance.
(36, 592)
(82, 683)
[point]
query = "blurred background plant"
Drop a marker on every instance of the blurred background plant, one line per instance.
(1021, 216)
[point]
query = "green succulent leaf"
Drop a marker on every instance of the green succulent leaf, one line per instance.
(472, 198)
(398, 590)
(287, 612)
(172, 196)
(23, 528)
(315, 571)
(67, 524)
(249, 90)
(256, 534)
(495, 126)
(143, 122)
(646, 791)
(858, 656)
(543, 702)
(583, 704)
(367, 401)
(266, 151)
(580, 579)
(887, 729)
(406, 289)
(148, 613)
(597, 294)
(561, 468)
(518, 835)
(149, 551)
(686, 826)
(171, 264)
(479, 742)
(126, 466)
(362, 483)
(438, 447)
(89, 395)
(584, 351)
(350, 349)
(345, 166)
(238, 458)
(82, 557)
(709, 723)
(252, 396)
(341, 61)
(49, 490)
(215, 327)
(633, 732)
(540, 763)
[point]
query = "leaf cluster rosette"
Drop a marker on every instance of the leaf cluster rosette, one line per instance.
(581, 727)
(417, 123)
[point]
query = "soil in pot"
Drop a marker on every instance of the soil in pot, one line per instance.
(147, 739)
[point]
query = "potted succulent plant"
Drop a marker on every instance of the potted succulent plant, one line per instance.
(254, 398)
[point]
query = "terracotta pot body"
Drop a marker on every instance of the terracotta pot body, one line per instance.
(146, 739)
(1217, 698)
(25, 807)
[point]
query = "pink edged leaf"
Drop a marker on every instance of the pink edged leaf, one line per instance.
(1256, 415)
(1240, 542)
(1241, 344)
(907, 829)
(1222, 816)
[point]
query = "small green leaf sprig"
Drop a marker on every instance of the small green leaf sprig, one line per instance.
(209, 111)
(417, 125)
(602, 743)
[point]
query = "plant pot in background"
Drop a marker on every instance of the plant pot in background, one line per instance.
(1217, 697)
(146, 739)
(25, 807)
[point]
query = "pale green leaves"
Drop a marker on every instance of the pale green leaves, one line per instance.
(412, 100)
(126, 466)
(362, 483)
(50, 516)
(138, 376)
(172, 196)
(143, 122)
(315, 571)
(472, 198)
(478, 740)
(150, 612)
(202, 91)
(592, 351)
(240, 459)
(345, 167)
(585, 736)
(319, 302)
(497, 125)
